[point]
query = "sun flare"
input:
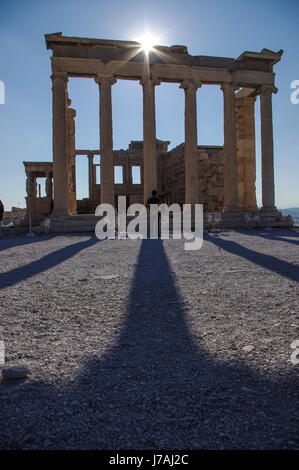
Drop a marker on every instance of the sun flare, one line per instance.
(148, 41)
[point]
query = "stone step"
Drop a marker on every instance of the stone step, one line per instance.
(76, 223)
(82, 223)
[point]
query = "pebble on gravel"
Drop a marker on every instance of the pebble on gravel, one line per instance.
(15, 372)
(248, 348)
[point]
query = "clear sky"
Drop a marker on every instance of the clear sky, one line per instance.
(214, 27)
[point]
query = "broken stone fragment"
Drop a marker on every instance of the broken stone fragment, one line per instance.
(15, 372)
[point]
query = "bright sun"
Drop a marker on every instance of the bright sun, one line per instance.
(148, 41)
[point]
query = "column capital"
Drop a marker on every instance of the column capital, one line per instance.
(229, 86)
(188, 84)
(241, 100)
(105, 79)
(153, 81)
(59, 76)
(267, 90)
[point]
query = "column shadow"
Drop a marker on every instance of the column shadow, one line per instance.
(276, 235)
(272, 263)
(11, 242)
(155, 389)
(14, 276)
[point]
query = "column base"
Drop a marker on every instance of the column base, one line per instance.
(60, 213)
(253, 209)
(269, 213)
(269, 216)
(205, 221)
(230, 219)
(268, 209)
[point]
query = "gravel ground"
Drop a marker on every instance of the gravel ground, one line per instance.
(142, 345)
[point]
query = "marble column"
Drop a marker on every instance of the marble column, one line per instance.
(91, 174)
(48, 188)
(71, 159)
(231, 203)
(268, 197)
(191, 152)
(126, 175)
(246, 153)
(149, 137)
(106, 139)
(31, 185)
(60, 148)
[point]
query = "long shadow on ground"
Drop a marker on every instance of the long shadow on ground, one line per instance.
(287, 236)
(14, 276)
(11, 242)
(272, 263)
(155, 389)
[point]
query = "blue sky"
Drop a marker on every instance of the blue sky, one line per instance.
(215, 28)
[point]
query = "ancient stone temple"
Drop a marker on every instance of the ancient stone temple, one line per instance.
(222, 178)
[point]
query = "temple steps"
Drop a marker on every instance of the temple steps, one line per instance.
(73, 223)
(87, 222)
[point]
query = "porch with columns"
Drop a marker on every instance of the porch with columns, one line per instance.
(239, 151)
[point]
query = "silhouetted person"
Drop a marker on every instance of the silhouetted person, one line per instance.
(1, 212)
(154, 200)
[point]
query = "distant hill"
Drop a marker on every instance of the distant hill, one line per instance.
(293, 211)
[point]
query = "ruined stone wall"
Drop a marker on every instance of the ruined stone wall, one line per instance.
(171, 170)
(211, 178)
(133, 156)
(171, 175)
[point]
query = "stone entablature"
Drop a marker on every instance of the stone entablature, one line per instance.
(125, 60)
